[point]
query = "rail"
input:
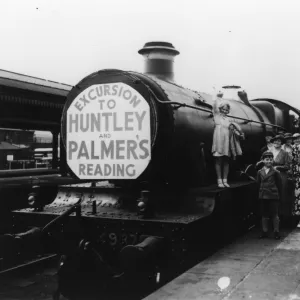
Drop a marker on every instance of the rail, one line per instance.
(137, 80)
(246, 121)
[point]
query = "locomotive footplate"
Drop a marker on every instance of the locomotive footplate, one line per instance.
(110, 203)
(111, 216)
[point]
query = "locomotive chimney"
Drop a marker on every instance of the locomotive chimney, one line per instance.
(159, 59)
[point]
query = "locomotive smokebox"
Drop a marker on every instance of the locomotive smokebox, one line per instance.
(159, 59)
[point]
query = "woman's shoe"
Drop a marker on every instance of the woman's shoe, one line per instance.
(225, 183)
(220, 183)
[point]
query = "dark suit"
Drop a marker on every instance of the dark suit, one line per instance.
(269, 195)
(269, 184)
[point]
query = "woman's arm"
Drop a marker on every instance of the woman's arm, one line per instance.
(237, 130)
(284, 162)
(287, 161)
(216, 103)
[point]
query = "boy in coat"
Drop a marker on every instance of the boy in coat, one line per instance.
(269, 182)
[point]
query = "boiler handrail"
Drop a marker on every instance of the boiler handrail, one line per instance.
(178, 104)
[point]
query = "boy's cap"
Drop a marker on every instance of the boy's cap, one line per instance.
(267, 154)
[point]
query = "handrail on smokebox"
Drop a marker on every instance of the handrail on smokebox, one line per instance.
(178, 105)
(210, 112)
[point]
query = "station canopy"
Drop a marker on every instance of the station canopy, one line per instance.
(31, 103)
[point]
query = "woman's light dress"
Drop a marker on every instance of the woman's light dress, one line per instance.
(220, 145)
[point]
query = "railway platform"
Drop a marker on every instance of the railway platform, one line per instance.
(249, 268)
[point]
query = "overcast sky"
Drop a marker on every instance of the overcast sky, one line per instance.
(255, 44)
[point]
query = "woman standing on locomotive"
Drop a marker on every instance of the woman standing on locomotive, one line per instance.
(296, 173)
(222, 144)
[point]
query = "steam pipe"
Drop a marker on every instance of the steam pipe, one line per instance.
(136, 80)
(68, 212)
(13, 240)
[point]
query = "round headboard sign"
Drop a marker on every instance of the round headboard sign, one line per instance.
(108, 133)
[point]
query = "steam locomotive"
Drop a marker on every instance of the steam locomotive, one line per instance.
(141, 144)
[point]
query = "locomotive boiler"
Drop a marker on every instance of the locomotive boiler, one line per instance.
(119, 125)
(143, 144)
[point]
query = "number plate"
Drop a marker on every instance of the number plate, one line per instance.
(118, 240)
